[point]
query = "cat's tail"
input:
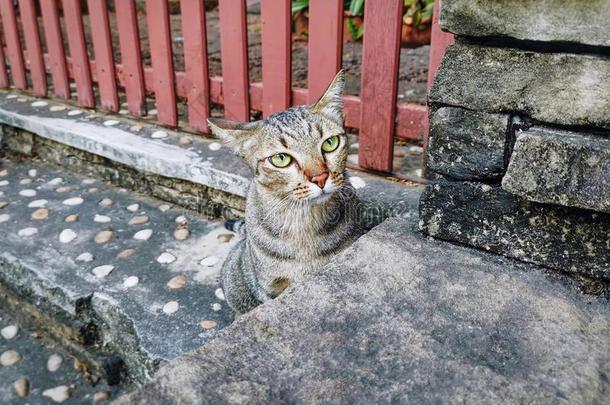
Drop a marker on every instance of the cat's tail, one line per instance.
(236, 225)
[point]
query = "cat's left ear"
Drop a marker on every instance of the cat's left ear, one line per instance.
(331, 103)
(240, 136)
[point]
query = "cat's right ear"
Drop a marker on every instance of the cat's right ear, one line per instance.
(240, 136)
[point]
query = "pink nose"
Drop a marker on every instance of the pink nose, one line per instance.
(320, 179)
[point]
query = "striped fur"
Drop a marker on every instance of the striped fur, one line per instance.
(292, 226)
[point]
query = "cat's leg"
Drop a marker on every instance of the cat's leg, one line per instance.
(237, 289)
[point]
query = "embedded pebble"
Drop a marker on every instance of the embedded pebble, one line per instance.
(152, 112)
(106, 202)
(39, 103)
(164, 207)
(103, 237)
(25, 181)
(88, 182)
(219, 294)
(22, 387)
(100, 396)
(216, 307)
(4, 218)
(209, 261)
(40, 214)
(171, 307)
(225, 237)
(32, 172)
(57, 394)
(357, 182)
(71, 218)
(135, 128)
(67, 236)
(159, 135)
(38, 204)
(85, 257)
(131, 281)
(182, 234)
(65, 189)
(125, 253)
(181, 220)
(26, 232)
(56, 108)
(123, 112)
(103, 271)
(110, 123)
(9, 358)
(11, 96)
(101, 219)
(208, 324)
(54, 362)
(166, 258)
(75, 112)
(177, 282)
(214, 146)
(138, 220)
(144, 234)
(185, 140)
(22, 99)
(92, 190)
(4, 182)
(3, 204)
(73, 201)
(27, 193)
(3, 173)
(9, 332)
(133, 207)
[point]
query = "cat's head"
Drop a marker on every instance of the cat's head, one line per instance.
(299, 153)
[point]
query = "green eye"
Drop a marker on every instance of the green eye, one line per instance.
(330, 144)
(280, 160)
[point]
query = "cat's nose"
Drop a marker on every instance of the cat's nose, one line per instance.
(320, 179)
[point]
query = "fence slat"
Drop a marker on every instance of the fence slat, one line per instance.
(325, 45)
(78, 52)
(159, 34)
(196, 63)
(380, 56)
(276, 50)
(234, 53)
(55, 49)
(102, 47)
(29, 22)
(13, 45)
(3, 74)
(131, 57)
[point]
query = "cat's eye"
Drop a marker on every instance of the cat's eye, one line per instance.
(330, 144)
(280, 160)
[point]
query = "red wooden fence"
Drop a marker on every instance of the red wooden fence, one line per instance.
(375, 112)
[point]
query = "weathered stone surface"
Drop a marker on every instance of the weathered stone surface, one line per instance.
(561, 167)
(558, 88)
(467, 144)
(541, 20)
(571, 240)
(401, 319)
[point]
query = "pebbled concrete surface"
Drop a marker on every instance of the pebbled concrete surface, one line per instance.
(135, 321)
(399, 318)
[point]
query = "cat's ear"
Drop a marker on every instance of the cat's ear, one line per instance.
(240, 136)
(331, 103)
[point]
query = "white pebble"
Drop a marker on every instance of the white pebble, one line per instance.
(67, 236)
(74, 112)
(4, 182)
(56, 181)
(32, 172)
(57, 394)
(159, 135)
(164, 207)
(219, 294)
(73, 201)
(39, 103)
(9, 332)
(84, 257)
(103, 271)
(25, 181)
(357, 182)
(152, 112)
(131, 281)
(102, 219)
(37, 204)
(166, 258)
(26, 232)
(88, 182)
(11, 96)
(110, 123)
(216, 307)
(209, 261)
(56, 108)
(171, 307)
(180, 220)
(54, 362)
(4, 218)
(9, 358)
(123, 112)
(133, 207)
(214, 146)
(28, 192)
(144, 234)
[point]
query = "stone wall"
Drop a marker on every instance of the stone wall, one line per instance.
(520, 132)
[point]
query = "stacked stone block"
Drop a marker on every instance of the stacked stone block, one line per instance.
(520, 133)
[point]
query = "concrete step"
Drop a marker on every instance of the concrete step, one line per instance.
(111, 296)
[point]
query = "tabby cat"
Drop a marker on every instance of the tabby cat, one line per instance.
(301, 209)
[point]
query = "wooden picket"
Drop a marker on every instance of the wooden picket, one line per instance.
(55, 48)
(13, 45)
(27, 10)
(78, 53)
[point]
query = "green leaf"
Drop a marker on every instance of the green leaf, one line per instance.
(298, 5)
(356, 7)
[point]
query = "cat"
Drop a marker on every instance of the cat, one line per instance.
(301, 210)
